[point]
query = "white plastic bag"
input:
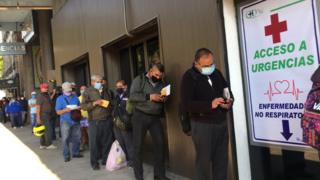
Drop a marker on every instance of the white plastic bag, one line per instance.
(116, 158)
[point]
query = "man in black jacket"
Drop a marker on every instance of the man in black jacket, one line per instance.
(123, 134)
(145, 91)
(205, 97)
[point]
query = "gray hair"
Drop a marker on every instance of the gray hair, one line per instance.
(96, 77)
(67, 86)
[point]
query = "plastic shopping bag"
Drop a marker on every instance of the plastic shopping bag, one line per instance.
(116, 158)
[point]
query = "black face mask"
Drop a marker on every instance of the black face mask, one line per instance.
(155, 79)
(120, 90)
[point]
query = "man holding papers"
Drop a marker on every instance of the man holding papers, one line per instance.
(70, 129)
(97, 103)
(147, 94)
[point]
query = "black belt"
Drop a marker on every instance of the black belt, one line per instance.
(200, 115)
(148, 114)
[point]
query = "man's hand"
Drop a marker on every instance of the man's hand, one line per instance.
(156, 98)
(67, 110)
(227, 104)
(97, 102)
(164, 98)
(216, 102)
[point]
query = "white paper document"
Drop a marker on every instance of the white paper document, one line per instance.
(166, 91)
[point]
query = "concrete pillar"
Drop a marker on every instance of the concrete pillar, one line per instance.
(45, 38)
(27, 73)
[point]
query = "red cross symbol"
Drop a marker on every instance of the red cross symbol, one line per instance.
(275, 28)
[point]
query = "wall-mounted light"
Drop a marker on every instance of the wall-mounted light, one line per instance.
(24, 7)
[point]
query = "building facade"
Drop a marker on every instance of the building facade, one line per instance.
(119, 39)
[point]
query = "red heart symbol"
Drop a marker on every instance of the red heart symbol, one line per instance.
(281, 86)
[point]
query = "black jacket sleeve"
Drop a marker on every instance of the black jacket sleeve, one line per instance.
(225, 84)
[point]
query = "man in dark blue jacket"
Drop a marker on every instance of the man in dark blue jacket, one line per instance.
(123, 134)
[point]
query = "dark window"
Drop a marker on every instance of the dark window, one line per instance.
(125, 65)
(138, 59)
(153, 50)
(134, 60)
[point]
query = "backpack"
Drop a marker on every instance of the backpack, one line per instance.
(310, 122)
(184, 116)
(131, 106)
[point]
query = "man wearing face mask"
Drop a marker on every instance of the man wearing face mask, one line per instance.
(145, 91)
(44, 116)
(100, 121)
(33, 109)
(70, 130)
(123, 134)
(206, 98)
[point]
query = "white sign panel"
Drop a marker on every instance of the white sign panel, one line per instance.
(280, 49)
(12, 49)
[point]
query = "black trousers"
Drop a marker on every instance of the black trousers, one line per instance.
(211, 145)
(141, 123)
(125, 140)
(46, 139)
(100, 140)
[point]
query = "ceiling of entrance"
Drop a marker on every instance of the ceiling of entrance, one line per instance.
(12, 14)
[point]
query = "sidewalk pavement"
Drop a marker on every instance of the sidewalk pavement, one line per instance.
(21, 158)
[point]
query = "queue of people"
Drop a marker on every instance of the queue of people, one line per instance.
(14, 110)
(99, 116)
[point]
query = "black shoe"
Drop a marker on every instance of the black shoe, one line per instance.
(161, 178)
(66, 159)
(97, 167)
(78, 156)
(103, 163)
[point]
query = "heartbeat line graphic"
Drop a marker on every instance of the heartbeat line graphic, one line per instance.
(283, 87)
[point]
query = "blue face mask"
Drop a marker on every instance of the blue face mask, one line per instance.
(208, 70)
(98, 86)
(67, 93)
(34, 96)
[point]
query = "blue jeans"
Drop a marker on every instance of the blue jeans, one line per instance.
(70, 134)
(16, 120)
(33, 120)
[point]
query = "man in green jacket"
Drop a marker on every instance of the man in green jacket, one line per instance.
(98, 105)
(145, 92)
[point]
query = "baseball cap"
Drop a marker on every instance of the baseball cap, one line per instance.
(44, 86)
